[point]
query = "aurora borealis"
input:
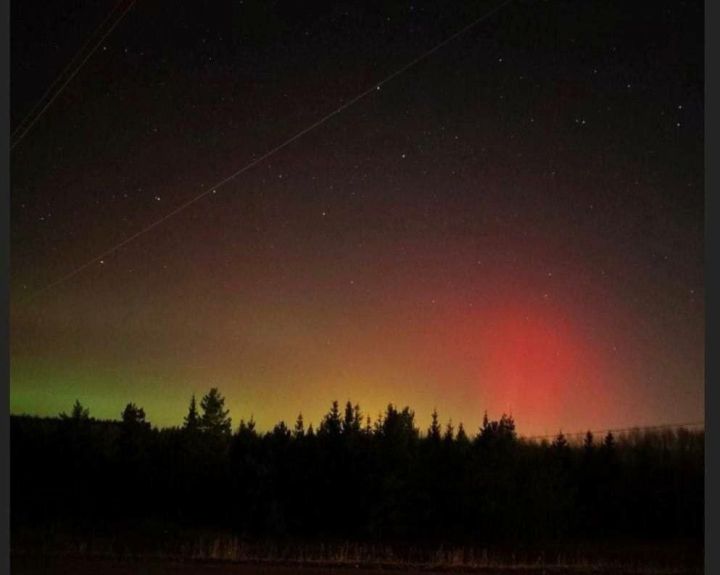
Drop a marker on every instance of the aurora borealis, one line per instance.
(515, 224)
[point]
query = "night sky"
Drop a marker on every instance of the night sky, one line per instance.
(513, 224)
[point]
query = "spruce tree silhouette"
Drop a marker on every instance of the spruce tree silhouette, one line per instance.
(133, 417)
(299, 430)
(609, 442)
(589, 442)
(246, 429)
(449, 433)
(461, 438)
(331, 424)
(499, 434)
(434, 430)
(560, 443)
(281, 431)
(352, 420)
(368, 429)
(192, 419)
(78, 413)
(215, 418)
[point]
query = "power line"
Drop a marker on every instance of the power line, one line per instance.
(212, 189)
(64, 71)
(621, 430)
(23, 132)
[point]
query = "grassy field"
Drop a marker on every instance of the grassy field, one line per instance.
(39, 565)
(39, 551)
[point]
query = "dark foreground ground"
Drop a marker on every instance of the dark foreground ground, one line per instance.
(38, 565)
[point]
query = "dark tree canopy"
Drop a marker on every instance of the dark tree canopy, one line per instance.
(352, 419)
(461, 436)
(78, 412)
(331, 425)
(134, 416)
(434, 430)
(192, 419)
(401, 485)
(299, 429)
(215, 417)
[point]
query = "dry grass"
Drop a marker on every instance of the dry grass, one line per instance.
(220, 553)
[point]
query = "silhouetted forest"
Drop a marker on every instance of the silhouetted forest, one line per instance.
(355, 479)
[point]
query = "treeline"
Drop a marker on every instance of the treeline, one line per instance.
(352, 478)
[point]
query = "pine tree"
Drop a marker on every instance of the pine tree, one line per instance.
(331, 425)
(449, 432)
(378, 425)
(506, 427)
(246, 429)
(357, 418)
(497, 432)
(78, 413)
(368, 426)
(608, 445)
(133, 417)
(215, 418)
(434, 430)
(560, 443)
(399, 425)
(281, 431)
(192, 420)
(351, 423)
(461, 436)
(609, 441)
(299, 430)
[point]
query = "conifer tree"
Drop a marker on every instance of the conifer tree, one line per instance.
(357, 418)
(461, 436)
(299, 430)
(247, 429)
(609, 441)
(560, 442)
(331, 425)
(192, 419)
(215, 418)
(507, 427)
(368, 426)
(352, 419)
(281, 431)
(449, 432)
(434, 430)
(78, 413)
(133, 417)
